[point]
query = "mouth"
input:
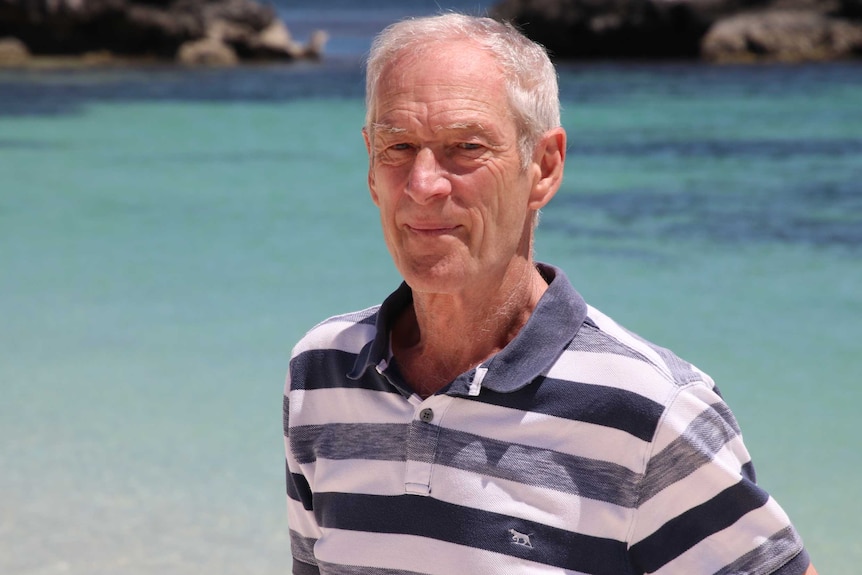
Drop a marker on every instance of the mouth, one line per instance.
(430, 230)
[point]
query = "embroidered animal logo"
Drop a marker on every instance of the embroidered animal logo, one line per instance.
(521, 539)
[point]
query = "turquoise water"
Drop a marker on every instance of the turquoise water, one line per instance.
(165, 238)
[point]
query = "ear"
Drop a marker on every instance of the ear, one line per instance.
(549, 157)
(371, 183)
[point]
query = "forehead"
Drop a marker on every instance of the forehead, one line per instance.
(453, 81)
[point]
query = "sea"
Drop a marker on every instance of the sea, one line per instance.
(167, 235)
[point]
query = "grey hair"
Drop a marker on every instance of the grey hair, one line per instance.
(531, 79)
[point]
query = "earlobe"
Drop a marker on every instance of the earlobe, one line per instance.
(550, 158)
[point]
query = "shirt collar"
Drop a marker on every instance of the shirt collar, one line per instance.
(553, 324)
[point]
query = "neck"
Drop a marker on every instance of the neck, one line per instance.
(444, 335)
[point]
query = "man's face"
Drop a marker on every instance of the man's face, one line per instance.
(445, 170)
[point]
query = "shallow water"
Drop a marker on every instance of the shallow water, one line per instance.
(165, 238)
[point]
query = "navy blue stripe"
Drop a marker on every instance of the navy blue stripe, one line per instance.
(749, 473)
(302, 548)
(300, 568)
(298, 489)
(687, 530)
(601, 405)
(428, 517)
(796, 566)
(375, 441)
(328, 368)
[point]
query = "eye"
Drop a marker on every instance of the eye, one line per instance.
(400, 147)
(396, 152)
(469, 151)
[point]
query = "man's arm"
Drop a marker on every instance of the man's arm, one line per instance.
(701, 439)
(303, 528)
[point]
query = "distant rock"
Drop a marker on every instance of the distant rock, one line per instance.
(13, 52)
(789, 36)
(206, 52)
(192, 31)
(718, 30)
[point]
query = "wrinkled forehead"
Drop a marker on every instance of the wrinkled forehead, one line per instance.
(454, 69)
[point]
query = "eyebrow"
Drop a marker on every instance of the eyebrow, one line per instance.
(384, 128)
(464, 126)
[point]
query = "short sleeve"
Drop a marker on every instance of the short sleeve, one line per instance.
(700, 509)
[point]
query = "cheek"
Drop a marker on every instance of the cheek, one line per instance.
(381, 188)
(506, 204)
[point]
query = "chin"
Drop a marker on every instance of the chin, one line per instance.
(435, 275)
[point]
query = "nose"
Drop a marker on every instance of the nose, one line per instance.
(427, 179)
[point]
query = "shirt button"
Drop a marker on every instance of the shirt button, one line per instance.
(426, 415)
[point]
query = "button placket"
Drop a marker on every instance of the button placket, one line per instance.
(422, 441)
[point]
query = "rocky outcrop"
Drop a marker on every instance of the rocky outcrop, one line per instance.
(193, 31)
(13, 52)
(719, 30)
(785, 35)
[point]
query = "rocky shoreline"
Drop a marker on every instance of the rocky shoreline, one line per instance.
(60, 33)
(725, 31)
(76, 33)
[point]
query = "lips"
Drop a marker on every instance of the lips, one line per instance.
(431, 229)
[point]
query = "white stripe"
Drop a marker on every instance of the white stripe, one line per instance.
(366, 477)
(300, 520)
(685, 408)
(547, 506)
(337, 334)
(613, 329)
(347, 405)
(612, 370)
(689, 404)
(413, 553)
(532, 429)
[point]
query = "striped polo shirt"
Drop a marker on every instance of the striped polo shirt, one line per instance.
(579, 448)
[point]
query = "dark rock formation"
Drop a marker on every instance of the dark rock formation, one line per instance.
(723, 30)
(616, 28)
(152, 28)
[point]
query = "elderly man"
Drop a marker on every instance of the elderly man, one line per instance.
(484, 419)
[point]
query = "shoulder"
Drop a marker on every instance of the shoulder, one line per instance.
(346, 332)
(622, 351)
(633, 381)
(608, 376)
